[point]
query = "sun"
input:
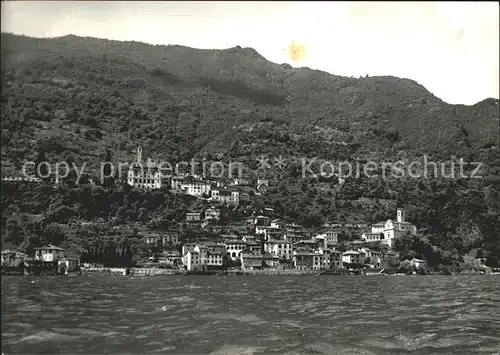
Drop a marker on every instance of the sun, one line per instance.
(297, 51)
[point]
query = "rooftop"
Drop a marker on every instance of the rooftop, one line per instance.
(308, 241)
(276, 241)
(232, 241)
(270, 256)
(51, 247)
(307, 254)
(351, 252)
(251, 256)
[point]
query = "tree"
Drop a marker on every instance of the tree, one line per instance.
(15, 234)
(53, 234)
(107, 178)
(344, 237)
(419, 246)
(40, 164)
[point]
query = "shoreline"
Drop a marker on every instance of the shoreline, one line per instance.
(265, 272)
(121, 271)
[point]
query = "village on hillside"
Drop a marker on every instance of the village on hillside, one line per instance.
(268, 244)
(261, 242)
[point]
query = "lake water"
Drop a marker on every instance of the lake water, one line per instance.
(251, 315)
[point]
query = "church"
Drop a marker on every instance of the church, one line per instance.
(390, 230)
(147, 176)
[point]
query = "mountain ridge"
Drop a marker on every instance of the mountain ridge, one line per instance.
(251, 53)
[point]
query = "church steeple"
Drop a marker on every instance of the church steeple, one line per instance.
(139, 154)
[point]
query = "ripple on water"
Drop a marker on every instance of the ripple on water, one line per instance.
(21, 325)
(238, 350)
(243, 315)
(247, 318)
(45, 336)
(453, 342)
(332, 348)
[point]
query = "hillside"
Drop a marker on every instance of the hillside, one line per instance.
(74, 98)
(178, 101)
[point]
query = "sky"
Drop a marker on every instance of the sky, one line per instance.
(450, 48)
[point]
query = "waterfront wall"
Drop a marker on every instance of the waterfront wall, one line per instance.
(273, 272)
(105, 270)
(133, 271)
(153, 271)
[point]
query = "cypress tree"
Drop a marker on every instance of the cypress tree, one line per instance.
(41, 168)
(129, 257)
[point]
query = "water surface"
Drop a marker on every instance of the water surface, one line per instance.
(251, 315)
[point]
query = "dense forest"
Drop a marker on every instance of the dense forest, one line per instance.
(90, 100)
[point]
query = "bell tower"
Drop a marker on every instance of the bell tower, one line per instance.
(401, 215)
(139, 154)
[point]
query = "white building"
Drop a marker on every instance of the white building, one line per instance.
(378, 228)
(331, 237)
(210, 255)
(394, 230)
(144, 178)
(49, 253)
(225, 195)
(214, 256)
(280, 248)
(353, 257)
(372, 237)
(188, 247)
(193, 216)
(307, 261)
(191, 260)
(326, 259)
(391, 230)
(234, 248)
(176, 182)
(191, 185)
(196, 188)
(268, 232)
(147, 176)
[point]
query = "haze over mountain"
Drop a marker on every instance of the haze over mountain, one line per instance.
(450, 48)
